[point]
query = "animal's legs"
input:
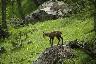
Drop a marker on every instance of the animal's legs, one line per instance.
(61, 39)
(51, 41)
(58, 40)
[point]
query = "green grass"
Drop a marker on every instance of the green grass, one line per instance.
(72, 28)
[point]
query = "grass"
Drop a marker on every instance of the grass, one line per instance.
(34, 44)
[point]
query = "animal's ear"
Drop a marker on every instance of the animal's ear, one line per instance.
(43, 32)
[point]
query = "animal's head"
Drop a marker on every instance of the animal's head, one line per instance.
(45, 34)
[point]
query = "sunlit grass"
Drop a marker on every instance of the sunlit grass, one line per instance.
(72, 28)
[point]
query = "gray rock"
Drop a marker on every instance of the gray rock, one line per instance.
(54, 55)
(49, 10)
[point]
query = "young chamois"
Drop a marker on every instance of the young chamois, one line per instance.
(53, 34)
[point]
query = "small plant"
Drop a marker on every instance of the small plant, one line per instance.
(16, 45)
(2, 50)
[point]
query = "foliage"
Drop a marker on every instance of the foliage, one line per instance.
(26, 43)
(33, 43)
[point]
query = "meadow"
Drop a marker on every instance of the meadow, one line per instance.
(33, 43)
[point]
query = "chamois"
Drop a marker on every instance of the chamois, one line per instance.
(53, 34)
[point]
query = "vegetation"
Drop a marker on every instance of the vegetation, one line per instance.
(25, 44)
(32, 45)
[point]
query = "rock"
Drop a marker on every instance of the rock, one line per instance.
(75, 44)
(55, 8)
(89, 49)
(49, 10)
(54, 55)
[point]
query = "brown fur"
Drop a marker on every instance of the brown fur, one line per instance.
(53, 34)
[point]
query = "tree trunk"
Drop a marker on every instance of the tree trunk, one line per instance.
(94, 13)
(21, 12)
(4, 25)
(12, 4)
(95, 17)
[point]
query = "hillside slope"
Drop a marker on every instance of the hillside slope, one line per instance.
(30, 42)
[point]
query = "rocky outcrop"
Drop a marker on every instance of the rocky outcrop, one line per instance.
(57, 54)
(49, 10)
(54, 55)
(88, 47)
(52, 9)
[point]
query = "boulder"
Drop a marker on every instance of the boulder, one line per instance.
(54, 55)
(49, 10)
